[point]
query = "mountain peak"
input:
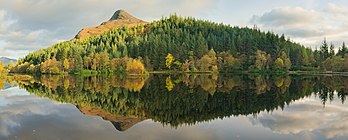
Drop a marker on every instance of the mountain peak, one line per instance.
(121, 15)
(119, 19)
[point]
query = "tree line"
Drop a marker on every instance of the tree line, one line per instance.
(181, 44)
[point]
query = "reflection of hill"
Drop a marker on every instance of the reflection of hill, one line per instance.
(8, 85)
(181, 99)
(121, 123)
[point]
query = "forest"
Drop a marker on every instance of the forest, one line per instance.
(183, 45)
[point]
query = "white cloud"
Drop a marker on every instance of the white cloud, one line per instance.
(33, 24)
(288, 16)
(307, 26)
(40, 23)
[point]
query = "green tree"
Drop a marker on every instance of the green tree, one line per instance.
(343, 50)
(345, 65)
(332, 51)
(78, 63)
(334, 63)
(324, 50)
(186, 39)
(87, 62)
(304, 57)
(104, 61)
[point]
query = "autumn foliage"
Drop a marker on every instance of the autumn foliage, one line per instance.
(135, 66)
(1, 67)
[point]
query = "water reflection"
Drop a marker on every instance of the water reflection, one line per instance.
(178, 100)
(27, 117)
(308, 117)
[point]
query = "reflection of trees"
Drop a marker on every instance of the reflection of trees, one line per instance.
(10, 80)
(326, 86)
(118, 96)
(2, 82)
(262, 84)
(194, 98)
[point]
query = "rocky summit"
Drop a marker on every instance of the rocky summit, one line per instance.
(119, 19)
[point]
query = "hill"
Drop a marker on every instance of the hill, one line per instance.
(121, 123)
(6, 60)
(119, 19)
(173, 43)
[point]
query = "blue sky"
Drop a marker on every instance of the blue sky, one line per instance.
(28, 25)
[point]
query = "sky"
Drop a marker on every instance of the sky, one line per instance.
(28, 25)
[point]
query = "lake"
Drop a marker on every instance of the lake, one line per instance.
(174, 107)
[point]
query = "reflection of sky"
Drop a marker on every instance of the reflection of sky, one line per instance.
(308, 117)
(25, 116)
(303, 119)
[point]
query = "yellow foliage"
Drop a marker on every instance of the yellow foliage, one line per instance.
(204, 63)
(134, 84)
(279, 82)
(169, 84)
(2, 82)
(215, 69)
(51, 66)
(66, 64)
(135, 66)
(51, 82)
(279, 63)
(66, 83)
(2, 69)
(169, 60)
(207, 84)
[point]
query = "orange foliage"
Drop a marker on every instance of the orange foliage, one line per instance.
(51, 66)
(2, 67)
(135, 66)
(134, 84)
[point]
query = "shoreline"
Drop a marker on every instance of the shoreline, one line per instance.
(328, 73)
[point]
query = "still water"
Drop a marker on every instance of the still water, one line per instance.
(174, 107)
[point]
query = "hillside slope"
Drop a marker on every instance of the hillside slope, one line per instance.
(119, 19)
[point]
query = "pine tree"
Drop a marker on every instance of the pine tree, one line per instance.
(78, 63)
(343, 50)
(324, 50)
(332, 51)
